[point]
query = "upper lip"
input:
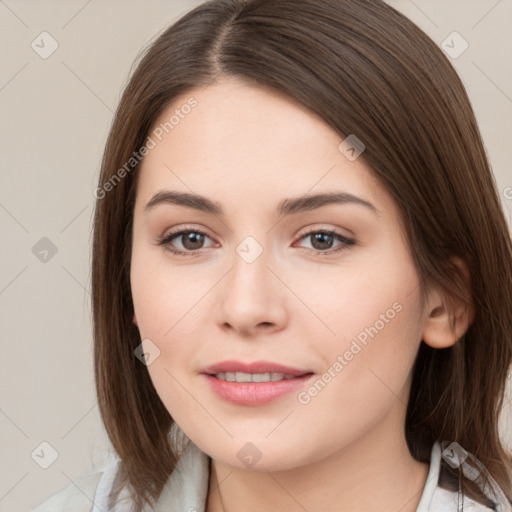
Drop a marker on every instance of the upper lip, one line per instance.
(254, 367)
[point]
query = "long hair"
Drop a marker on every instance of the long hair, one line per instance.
(367, 70)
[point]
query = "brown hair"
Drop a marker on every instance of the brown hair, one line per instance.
(366, 70)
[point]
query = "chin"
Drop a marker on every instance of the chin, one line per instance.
(261, 455)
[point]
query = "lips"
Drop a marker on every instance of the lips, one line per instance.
(256, 383)
(254, 367)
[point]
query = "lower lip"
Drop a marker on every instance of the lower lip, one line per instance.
(255, 393)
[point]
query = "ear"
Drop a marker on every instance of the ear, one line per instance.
(448, 318)
(135, 320)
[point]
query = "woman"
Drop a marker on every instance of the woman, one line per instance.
(301, 272)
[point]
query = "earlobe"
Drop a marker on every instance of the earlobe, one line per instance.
(447, 319)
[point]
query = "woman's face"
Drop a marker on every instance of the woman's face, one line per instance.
(264, 273)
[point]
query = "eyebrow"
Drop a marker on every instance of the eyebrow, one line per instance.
(286, 207)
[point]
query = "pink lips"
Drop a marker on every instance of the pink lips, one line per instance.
(254, 393)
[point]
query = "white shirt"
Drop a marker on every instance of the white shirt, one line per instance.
(187, 487)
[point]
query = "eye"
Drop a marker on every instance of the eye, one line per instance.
(324, 239)
(191, 240)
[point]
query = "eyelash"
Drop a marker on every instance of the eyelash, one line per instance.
(166, 240)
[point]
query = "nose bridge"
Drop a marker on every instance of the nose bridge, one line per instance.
(249, 296)
(250, 265)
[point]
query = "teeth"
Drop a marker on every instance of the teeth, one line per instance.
(252, 377)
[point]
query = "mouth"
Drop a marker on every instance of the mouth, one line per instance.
(254, 383)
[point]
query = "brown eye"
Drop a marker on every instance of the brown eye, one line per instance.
(322, 241)
(191, 240)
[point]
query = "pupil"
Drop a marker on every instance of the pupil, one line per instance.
(318, 237)
(196, 244)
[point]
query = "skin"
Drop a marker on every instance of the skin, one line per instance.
(248, 148)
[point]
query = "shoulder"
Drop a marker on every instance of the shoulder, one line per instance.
(81, 495)
(186, 488)
(443, 493)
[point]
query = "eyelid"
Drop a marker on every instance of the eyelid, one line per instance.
(323, 227)
(185, 227)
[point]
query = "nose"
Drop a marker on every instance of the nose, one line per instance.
(251, 299)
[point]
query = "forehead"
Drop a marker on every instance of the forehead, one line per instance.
(232, 116)
(251, 143)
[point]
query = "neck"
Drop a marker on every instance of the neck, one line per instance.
(375, 472)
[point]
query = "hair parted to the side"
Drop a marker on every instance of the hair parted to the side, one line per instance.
(367, 70)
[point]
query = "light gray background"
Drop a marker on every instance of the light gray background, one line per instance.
(55, 117)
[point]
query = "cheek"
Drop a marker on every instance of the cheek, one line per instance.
(368, 366)
(167, 303)
(375, 316)
(362, 386)
(164, 296)
(361, 300)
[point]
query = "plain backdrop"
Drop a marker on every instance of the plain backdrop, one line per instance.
(56, 112)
